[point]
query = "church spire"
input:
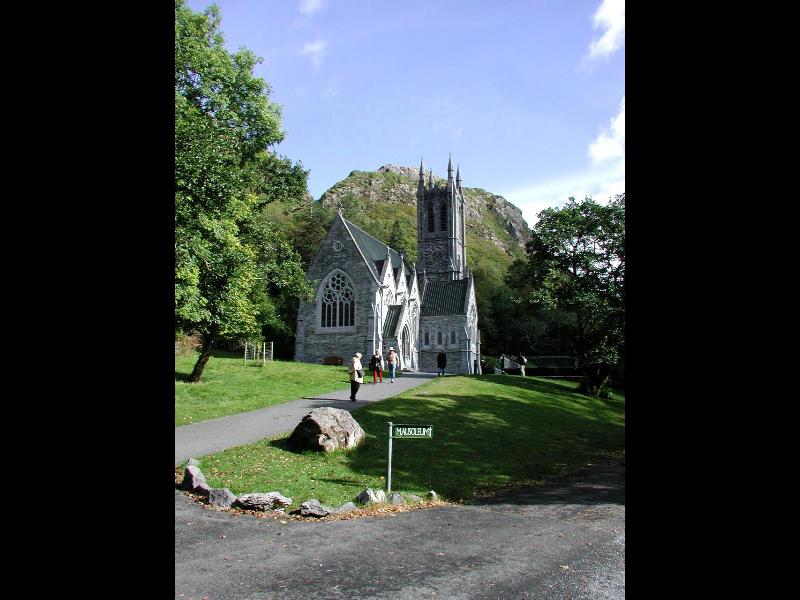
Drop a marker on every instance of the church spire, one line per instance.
(449, 168)
(458, 177)
(430, 178)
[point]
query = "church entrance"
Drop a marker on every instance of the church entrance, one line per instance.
(405, 347)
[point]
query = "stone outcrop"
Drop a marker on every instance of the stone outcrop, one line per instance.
(397, 499)
(327, 429)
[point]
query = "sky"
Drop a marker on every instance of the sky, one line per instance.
(527, 96)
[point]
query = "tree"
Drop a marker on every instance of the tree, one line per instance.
(576, 265)
(230, 265)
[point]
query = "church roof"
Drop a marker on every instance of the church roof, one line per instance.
(375, 251)
(445, 297)
(390, 324)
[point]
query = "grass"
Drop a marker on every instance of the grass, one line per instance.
(489, 432)
(228, 387)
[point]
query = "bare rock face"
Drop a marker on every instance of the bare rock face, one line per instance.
(259, 501)
(392, 184)
(397, 499)
(327, 429)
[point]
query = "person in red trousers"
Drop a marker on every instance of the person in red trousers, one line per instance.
(376, 366)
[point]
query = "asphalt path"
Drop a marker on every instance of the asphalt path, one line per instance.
(562, 540)
(211, 436)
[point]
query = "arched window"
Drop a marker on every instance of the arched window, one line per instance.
(452, 335)
(427, 338)
(431, 225)
(443, 217)
(439, 337)
(337, 303)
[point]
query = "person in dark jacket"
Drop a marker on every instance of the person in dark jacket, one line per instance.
(376, 366)
(441, 363)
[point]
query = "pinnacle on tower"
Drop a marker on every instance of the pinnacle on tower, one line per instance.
(458, 177)
(430, 178)
(449, 167)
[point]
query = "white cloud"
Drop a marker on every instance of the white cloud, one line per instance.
(610, 18)
(309, 7)
(600, 184)
(610, 144)
(332, 89)
(315, 50)
(602, 179)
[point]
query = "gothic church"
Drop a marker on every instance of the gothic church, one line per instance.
(369, 299)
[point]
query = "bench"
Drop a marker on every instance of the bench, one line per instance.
(335, 361)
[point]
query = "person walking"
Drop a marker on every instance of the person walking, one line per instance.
(392, 360)
(376, 366)
(441, 363)
(522, 362)
(356, 371)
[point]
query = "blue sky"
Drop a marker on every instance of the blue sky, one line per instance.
(527, 96)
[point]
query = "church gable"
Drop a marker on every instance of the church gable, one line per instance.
(368, 298)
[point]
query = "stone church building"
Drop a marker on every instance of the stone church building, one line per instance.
(368, 298)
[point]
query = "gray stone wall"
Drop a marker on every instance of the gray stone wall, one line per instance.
(319, 342)
(456, 353)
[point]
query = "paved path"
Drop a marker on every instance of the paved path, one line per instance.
(561, 541)
(212, 436)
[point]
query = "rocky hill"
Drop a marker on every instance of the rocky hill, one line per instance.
(489, 216)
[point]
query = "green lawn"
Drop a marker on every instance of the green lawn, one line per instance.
(488, 432)
(228, 387)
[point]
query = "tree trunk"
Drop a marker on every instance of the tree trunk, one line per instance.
(595, 377)
(205, 354)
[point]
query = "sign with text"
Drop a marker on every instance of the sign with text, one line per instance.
(400, 431)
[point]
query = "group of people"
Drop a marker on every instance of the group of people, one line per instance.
(520, 359)
(376, 364)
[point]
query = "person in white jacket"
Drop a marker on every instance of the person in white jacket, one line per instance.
(356, 371)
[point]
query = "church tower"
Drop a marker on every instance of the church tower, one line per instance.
(441, 247)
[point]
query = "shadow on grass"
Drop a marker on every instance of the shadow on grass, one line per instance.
(482, 444)
(546, 387)
(184, 377)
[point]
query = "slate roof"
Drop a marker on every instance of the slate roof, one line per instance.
(375, 251)
(390, 324)
(445, 297)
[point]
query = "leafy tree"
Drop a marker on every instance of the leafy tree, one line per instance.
(576, 265)
(230, 265)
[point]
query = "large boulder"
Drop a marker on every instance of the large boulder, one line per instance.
(221, 497)
(370, 496)
(194, 481)
(313, 508)
(327, 429)
(259, 501)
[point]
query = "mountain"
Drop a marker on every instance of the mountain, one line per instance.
(489, 216)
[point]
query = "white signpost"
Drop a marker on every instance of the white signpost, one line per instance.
(400, 432)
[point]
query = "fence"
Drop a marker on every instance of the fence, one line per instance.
(562, 367)
(262, 351)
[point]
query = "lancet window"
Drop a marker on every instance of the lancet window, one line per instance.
(337, 304)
